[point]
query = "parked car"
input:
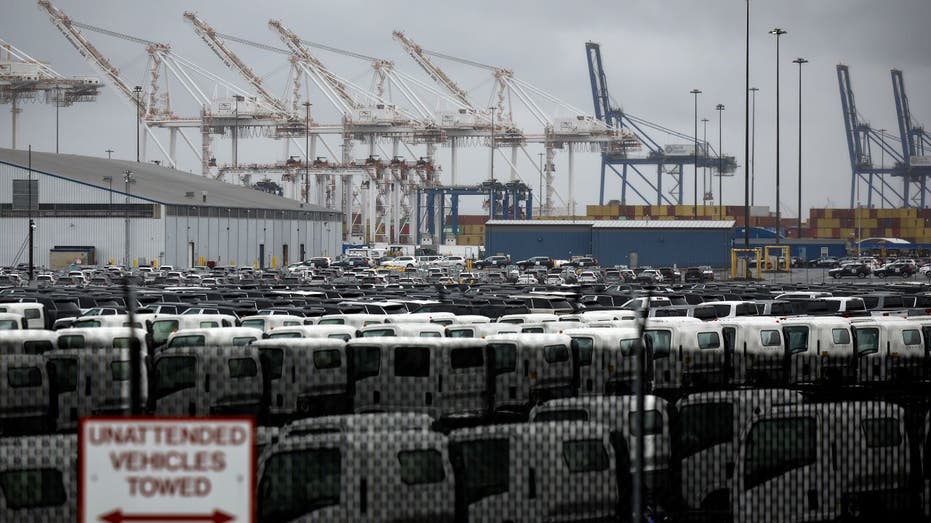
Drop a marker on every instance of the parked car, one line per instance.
(650, 276)
(535, 261)
(901, 269)
(493, 262)
(851, 270)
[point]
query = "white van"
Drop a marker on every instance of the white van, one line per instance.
(270, 322)
(480, 330)
(27, 341)
(606, 362)
(529, 368)
(26, 405)
(527, 318)
(222, 337)
(336, 332)
(619, 413)
(356, 320)
(441, 318)
(10, 321)
(549, 327)
(306, 377)
(824, 462)
(39, 478)
(33, 313)
(445, 378)
(100, 338)
(93, 322)
(708, 428)
(198, 381)
(819, 349)
(407, 330)
(687, 353)
(167, 324)
(547, 471)
(371, 422)
(889, 351)
(92, 382)
(357, 476)
(757, 349)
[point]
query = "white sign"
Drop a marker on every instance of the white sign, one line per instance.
(166, 469)
(919, 161)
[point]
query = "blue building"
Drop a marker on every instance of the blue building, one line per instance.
(624, 242)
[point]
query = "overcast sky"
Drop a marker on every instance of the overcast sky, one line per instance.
(655, 52)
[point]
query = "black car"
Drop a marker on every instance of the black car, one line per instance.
(850, 270)
(493, 262)
(582, 261)
(536, 261)
(693, 274)
(900, 269)
(826, 262)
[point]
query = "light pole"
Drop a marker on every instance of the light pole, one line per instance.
(747, 141)
(109, 180)
(57, 109)
(109, 154)
(695, 93)
(882, 179)
(492, 109)
(777, 32)
(752, 154)
(720, 109)
(236, 98)
(127, 179)
(306, 151)
(137, 92)
(704, 169)
(540, 194)
(799, 61)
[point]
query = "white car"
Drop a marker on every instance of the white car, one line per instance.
(527, 279)
(401, 261)
(452, 261)
(588, 277)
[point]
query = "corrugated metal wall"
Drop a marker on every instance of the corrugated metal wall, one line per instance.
(215, 235)
(662, 247)
(524, 241)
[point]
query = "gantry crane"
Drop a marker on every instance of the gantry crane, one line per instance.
(657, 155)
(861, 138)
(23, 78)
(916, 144)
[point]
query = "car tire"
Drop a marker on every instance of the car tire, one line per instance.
(861, 275)
(881, 275)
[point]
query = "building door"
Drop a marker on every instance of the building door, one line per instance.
(190, 254)
(261, 255)
(632, 259)
(284, 255)
(303, 253)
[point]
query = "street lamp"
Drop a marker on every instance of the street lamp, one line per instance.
(137, 93)
(704, 170)
(752, 154)
(236, 98)
(720, 109)
(799, 61)
(307, 151)
(109, 154)
(127, 179)
(695, 92)
(777, 32)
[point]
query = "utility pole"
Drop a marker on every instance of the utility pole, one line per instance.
(31, 223)
(109, 154)
(695, 92)
(137, 92)
(306, 151)
(720, 109)
(127, 179)
(704, 169)
(799, 61)
(777, 32)
(237, 98)
(752, 154)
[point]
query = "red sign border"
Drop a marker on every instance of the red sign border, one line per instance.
(185, 419)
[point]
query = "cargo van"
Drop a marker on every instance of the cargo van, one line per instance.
(606, 359)
(527, 318)
(687, 353)
(440, 318)
(445, 378)
(530, 368)
(546, 471)
(890, 351)
(356, 320)
(619, 414)
(26, 396)
(480, 330)
(224, 337)
(822, 462)
(10, 321)
(819, 350)
(33, 313)
(306, 377)
(336, 332)
(756, 343)
(202, 381)
(165, 325)
(407, 330)
(39, 478)
(372, 422)
(27, 341)
(100, 338)
(92, 382)
(706, 441)
(268, 323)
(549, 327)
(357, 476)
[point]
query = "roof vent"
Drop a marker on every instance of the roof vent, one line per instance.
(203, 196)
(189, 194)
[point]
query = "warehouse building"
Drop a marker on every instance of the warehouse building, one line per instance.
(86, 208)
(633, 243)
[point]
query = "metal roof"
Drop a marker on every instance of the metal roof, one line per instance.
(152, 182)
(583, 223)
(664, 224)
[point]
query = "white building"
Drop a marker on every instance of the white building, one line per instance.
(170, 217)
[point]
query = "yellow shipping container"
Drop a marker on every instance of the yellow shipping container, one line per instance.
(827, 213)
(822, 232)
(659, 210)
(828, 222)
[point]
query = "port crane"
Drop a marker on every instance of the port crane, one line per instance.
(667, 159)
(916, 145)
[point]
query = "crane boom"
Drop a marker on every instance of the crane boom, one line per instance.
(294, 44)
(209, 35)
(417, 53)
(87, 49)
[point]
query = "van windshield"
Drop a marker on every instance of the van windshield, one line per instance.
(482, 466)
(66, 374)
(460, 333)
(32, 488)
(704, 425)
(71, 342)
(796, 338)
(174, 373)
(378, 333)
(162, 329)
(867, 341)
(658, 341)
(187, 341)
(256, 323)
(775, 447)
(298, 483)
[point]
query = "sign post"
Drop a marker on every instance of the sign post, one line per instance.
(166, 469)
